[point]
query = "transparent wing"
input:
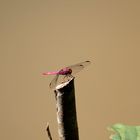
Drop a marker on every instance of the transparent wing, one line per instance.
(63, 78)
(54, 82)
(79, 66)
(58, 79)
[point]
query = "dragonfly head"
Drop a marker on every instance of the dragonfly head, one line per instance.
(70, 71)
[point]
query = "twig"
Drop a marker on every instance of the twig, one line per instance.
(48, 132)
(66, 111)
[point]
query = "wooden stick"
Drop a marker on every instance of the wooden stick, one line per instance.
(66, 111)
(48, 132)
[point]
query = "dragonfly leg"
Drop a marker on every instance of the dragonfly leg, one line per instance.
(67, 78)
(70, 76)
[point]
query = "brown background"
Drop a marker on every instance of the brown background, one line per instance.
(45, 35)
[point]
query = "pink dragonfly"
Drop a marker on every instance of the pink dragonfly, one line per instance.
(66, 73)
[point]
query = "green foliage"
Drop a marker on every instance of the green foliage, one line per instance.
(125, 132)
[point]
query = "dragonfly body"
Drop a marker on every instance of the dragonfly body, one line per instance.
(66, 72)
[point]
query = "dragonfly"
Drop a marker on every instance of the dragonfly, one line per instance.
(66, 73)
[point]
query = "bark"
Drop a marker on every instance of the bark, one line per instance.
(66, 111)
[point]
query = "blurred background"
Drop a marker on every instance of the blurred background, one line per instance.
(46, 35)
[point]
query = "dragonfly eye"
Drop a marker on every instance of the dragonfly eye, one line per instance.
(70, 70)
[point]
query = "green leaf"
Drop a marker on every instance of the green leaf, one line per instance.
(125, 132)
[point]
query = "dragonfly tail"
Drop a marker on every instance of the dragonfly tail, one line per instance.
(50, 73)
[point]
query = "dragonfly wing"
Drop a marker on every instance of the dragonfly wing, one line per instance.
(78, 67)
(53, 83)
(58, 79)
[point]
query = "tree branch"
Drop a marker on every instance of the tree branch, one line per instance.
(48, 132)
(66, 111)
